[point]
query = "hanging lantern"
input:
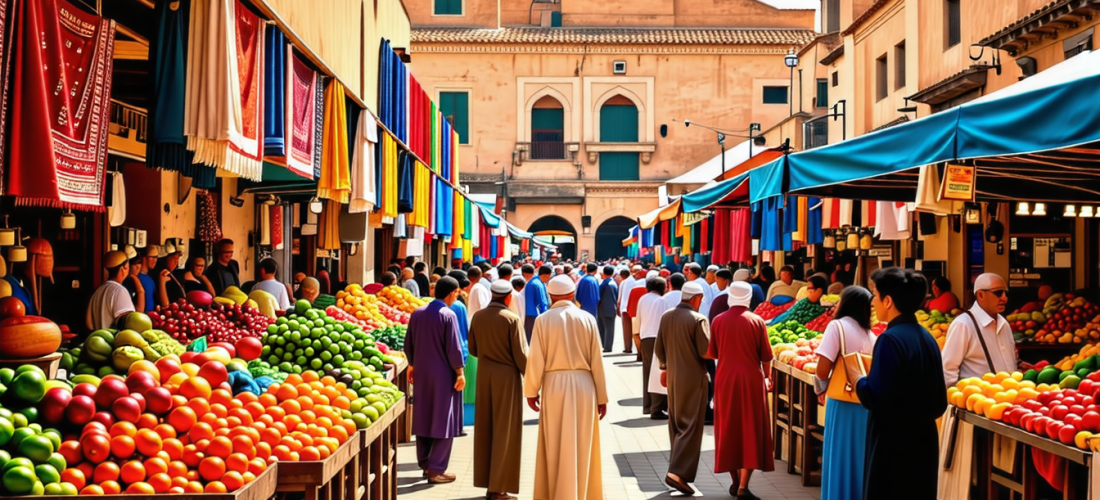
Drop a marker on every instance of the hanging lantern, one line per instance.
(68, 220)
(18, 252)
(830, 239)
(867, 241)
(841, 240)
(853, 239)
(1040, 209)
(7, 234)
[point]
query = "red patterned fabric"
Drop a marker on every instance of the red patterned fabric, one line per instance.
(277, 227)
(301, 117)
(740, 241)
(720, 247)
(704, 236)
(62, 80)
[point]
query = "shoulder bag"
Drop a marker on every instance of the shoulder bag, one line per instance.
(840, 388)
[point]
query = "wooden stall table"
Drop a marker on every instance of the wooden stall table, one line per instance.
(261, 488)
(334, 478)
(799, 435)
(1024, 480)
(401, 379)
(379, 453)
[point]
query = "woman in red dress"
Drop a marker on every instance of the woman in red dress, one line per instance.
(742, 429)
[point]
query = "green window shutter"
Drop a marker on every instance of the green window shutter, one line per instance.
(775, 95)
(619, 167)
(448, 7)
(822, 93)
(456, 108)
(547, 119)
(619, 124)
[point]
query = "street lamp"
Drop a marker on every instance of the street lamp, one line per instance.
(791, 60)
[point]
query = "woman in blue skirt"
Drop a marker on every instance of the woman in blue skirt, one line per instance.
(845, 423)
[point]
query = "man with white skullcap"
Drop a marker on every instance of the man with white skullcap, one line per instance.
(712, 271)
(694, 273)
(757, 292)
(499, 344)
(565, 384)
(680, 348)
(637, 277)
(968, 354)
(650, 309)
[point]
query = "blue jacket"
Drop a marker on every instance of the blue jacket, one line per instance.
(588, 294)
(535, 300)
(463, 328)
(609, 298)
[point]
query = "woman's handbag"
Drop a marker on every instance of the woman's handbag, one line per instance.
(840, 388)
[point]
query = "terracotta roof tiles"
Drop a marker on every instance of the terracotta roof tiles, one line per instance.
(618, 36)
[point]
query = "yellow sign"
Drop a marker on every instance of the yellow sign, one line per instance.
(958, 183)
(692, 218)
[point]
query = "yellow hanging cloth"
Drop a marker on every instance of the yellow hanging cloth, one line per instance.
(389, 176)
(421, 195)
(335, 182)
(454, 159)
(328, 234)
(685, 248)
(459, 223)
(803, 211)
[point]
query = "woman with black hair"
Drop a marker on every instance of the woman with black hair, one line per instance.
(904, 393)
(845, 422)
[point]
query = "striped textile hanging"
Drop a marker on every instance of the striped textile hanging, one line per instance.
(421, 196)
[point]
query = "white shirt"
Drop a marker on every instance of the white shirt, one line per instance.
(708, 294)
(856, 339)
(479, 299)
(962, 352)
(624, 293)
(673, 298)
(650, 309)
(109, 301)
(277, 289)
(518, 306)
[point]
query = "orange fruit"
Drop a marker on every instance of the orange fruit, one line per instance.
(193, 475)
(179, 482)
(211, 468)
(276, 412)
(233, 422)
(178, 401)
(305, 402)
(263, 450)
(202, 444)
(148, 442)
(237, 462)
(219, 447)
(310, 376)
(192, 457)
(140, 488)
(307, 416)
(293, 378)
(155, 465)
(215, 487)
(194, 487)
(165, 431)
(182, 418)
(122, 446)
(281, 452)
(270, 436)
(132, 472)
(328, 380)
(268, 399)
(245, 397)
(257, 466)
(208, 418)
(219, 410)
(323, 450)
(176, 490)
(195, 387)
(177, 469)
(105, 471)
(281, 427)
(221, 396)
(291, 406)
(92, 489)
(75, 477)
(200, 431)
(248, 477)
(123, 428)
(309, 453)
(160, 482)
(147, 421)
(291, 443)
(286, 391)
(243, 444)
(173, 447)
(266, 419)
(111, 487)
(163, 455)
(232, 480)
(255, 409)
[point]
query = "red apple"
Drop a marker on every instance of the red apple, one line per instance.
(109, 390)
(1054, 428)
(1090, 421)
(1066, 434)
(1077, 409)
(80, 409)
(230, 348)
(214, 372)
(167, 367)
(105, 418)
(1059, 412)
(249, 348)
(1040, 425)
(84, 389)
(126, 408)
(1032, 405)
(140, 399)
(1085, 386)
(139, 382)
(158, 400)
(53, 403)
(1027, 422)
(1044, 411)
(96, 447)
(187, 357)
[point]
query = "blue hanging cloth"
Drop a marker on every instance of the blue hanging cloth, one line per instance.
(405, 183)
(275, 58)
(813, 222)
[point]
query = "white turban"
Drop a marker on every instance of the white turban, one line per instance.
(742, 275)
(561, 285)
(740, 294)
(690, 290)
(501, 287)
(652, 274)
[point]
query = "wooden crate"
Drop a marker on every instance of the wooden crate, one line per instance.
(798, 434)
(334, 478)
(48, 363)
(262, 488)
(378, 444)
(781, 412)
(404, 424)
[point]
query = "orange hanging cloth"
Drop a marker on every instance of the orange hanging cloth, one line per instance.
(335, 182)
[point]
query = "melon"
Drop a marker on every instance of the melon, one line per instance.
(27, 337)
(199, 298)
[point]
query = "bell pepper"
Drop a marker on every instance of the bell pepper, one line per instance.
(97, 348)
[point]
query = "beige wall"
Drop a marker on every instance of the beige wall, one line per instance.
(475, 13)
(237, 222)
(381, 19)
(329, 32)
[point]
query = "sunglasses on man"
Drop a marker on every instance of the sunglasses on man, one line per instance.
(998, 293)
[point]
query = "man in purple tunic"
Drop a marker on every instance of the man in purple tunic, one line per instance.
(434, 350)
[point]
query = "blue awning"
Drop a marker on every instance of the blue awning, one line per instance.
(766, 180)
(518, 233)
(1041, 132)
(710, 195)
(492, 220)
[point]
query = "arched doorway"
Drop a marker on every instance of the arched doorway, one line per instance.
(558, 231)
(547, 130)
(610, 236)
(619, 123)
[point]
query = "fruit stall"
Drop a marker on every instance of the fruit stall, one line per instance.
(211, 397)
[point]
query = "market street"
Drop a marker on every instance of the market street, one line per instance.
(635, 453)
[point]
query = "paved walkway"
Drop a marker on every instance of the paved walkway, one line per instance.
(635, 454)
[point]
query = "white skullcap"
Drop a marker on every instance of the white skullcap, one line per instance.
(988, 281)
(691, 290)
(501, 287)
(651, 274)
(636, 268)
(742, 275)
(740, 294)
(712, 268)
(561, 285)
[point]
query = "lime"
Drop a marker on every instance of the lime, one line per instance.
(53, 489)
(297, 369)
(301, 360)
(338, 360)
(315, 364)
(31, 413)
(36, 426)
(17, 462)
(281, 321)
(6, 413)
(361, 421)
(4, 458)
(308, 352)
(36, 448)
(371, 412)
(6, 431)
(57, 461)
(6, 374)
(273, 359)
(29, 368)
(29, 386)
(19, 480)
(20, 434)
(381, 407)
(326, 355)
(68, 489)
(357, 405)
(38, 489)
(54, 437)
(47, 473)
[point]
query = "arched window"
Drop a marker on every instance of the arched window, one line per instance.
(547, 130)
(619, 123)
(557, 231)
(610, 236)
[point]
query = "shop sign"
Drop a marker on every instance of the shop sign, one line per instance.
(882, 252)
(958, 183)
(692, 218)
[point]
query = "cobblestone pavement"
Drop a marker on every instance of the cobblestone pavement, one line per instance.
(635, 454)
